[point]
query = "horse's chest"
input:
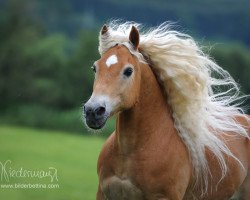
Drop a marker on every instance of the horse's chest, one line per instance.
(115, 188)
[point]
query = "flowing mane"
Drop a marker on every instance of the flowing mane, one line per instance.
(192, 82)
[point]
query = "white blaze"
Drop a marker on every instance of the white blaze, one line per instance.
(111, 60)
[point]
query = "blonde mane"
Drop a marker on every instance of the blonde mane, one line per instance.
(201, 111)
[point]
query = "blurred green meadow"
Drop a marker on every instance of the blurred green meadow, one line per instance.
(74, 157)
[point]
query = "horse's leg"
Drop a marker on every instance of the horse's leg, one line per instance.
(99, 194)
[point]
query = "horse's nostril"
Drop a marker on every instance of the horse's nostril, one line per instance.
(87, 111)
(91, 112)
(100, 111)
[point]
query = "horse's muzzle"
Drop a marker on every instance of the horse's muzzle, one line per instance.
(95, 115)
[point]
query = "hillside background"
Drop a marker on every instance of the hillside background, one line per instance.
(47, 48)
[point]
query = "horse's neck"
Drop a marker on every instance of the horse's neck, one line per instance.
(147, 119)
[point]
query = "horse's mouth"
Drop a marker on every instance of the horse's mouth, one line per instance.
(96, 123)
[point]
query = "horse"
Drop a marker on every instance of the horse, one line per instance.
(180, 130)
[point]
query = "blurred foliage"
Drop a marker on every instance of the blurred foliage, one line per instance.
(212, 19)
(45, 76)
(236, 59)
(41, 68)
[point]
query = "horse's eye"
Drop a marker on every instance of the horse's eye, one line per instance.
(93, 68)
(128, 71)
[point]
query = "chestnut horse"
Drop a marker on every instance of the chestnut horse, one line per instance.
(177, 135)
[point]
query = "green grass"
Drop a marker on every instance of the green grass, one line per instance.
(74, 157)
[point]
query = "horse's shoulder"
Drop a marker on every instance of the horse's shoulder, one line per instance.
(106, 151)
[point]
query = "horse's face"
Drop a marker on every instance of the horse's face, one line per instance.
(116, 86)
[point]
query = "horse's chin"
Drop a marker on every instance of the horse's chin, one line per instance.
(97, 127)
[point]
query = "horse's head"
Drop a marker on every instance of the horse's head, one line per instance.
(117, 82)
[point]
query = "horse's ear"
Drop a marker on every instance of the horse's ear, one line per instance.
(103, 36)
(104, 29)
(134, 37)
